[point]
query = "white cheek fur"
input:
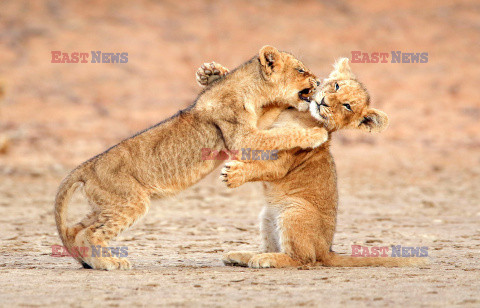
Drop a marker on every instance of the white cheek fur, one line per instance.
(314, 111)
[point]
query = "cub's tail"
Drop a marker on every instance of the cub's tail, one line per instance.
(336, 260)
(64, 194)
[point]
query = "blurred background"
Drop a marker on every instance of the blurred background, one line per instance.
(424, 169)
(65, 113)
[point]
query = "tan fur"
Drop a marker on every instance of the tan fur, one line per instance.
(298, 224)
(166, 158)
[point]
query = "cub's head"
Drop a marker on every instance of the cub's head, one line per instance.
(343, 102)
(292, 83)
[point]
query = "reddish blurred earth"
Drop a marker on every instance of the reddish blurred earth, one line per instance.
(417, 184)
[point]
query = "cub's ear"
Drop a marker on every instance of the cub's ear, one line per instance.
(270, 60)
(341, 70)
(374, 121)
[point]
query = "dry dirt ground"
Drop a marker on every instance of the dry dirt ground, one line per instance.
(417, 184)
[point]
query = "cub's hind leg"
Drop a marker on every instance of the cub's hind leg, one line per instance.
(270, 240)
(301, 235)
(115, 213)
(85, 222)
(110, 222)
(72, 233)
(272, 254)
(292, 243)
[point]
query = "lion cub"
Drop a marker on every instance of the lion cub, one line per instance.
(298, 224)
(166, 158)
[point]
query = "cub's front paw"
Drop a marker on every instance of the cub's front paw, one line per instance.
(209, 72)
(316, 137)
(238, 258)
(263, 260)
(108, 263)
(232, 174)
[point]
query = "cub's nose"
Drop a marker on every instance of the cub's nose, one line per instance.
(322, 102)
(318, 83)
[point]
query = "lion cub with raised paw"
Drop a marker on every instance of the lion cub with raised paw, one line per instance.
(298, 224)
(167, 157)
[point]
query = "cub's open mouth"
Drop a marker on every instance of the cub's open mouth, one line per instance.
(306, 94)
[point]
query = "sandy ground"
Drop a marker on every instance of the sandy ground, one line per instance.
(417, 184)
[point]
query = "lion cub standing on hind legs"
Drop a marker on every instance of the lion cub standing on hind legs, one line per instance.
(299, 221)
(166, 158)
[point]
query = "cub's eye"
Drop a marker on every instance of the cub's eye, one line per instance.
(301, 70)
(347, 106)
(336, 86)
